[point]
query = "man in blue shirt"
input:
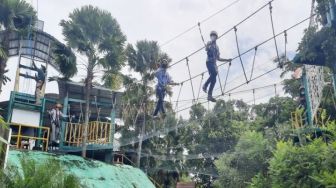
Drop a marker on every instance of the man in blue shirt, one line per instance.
(212, 56)
(164, 80)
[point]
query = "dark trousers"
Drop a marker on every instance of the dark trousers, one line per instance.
(212, 79)
(160, 94)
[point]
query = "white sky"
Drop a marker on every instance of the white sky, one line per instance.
(161, 20)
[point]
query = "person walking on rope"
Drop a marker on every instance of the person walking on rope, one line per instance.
(164, 80)
(212, 56)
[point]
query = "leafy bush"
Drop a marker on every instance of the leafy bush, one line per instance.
(33, 175)
(310, 165)
(249, 157)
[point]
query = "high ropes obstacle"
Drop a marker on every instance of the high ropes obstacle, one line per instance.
(223, 87)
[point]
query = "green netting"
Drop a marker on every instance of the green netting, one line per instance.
(91, 173)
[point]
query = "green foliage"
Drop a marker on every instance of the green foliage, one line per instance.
(249, 157)
(66, 60)
(293, 166)
(31, 174)
(16, 14)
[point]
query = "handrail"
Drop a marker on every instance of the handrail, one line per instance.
(19, 134)
(98, 133)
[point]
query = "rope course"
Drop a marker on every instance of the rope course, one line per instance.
(196, 98)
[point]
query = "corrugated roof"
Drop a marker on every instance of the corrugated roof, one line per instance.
(91, 173)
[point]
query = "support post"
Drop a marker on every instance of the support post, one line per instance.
(308, 100)
(65, 108)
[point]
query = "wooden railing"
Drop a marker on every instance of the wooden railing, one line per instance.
(19, 136)
(98, 133)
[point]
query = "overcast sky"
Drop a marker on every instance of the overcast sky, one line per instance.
(161, 20)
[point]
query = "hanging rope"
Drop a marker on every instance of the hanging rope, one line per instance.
(254, 58)
(192, 86)
(199, 89)
(275, 90)
(200, 30)
(178, 97)
(239, 55)
(285, 33)
(253, 97)
(227, 75)
(275, 41)
(220, 82)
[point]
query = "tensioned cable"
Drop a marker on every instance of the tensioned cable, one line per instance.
(273, 31)
(194, 26)
(238, 50)
(225, 33)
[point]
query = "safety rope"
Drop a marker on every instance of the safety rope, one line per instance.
(275, 41)
(199, 89)
(226, 78)
(178, 97)
(285, 34)
(191, 83)
(254, 58)
(253, 97)
(239, 55)
(220, 82)
(200, 30)
(225, 33)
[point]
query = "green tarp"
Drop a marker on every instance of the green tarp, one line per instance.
(91, 173)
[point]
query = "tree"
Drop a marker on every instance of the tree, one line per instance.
(16, 15)
(249, 157)
(97, 35)
(65, 59)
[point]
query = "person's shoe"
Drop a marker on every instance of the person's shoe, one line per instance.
(210, 98)
(204, 88)
(155, 117)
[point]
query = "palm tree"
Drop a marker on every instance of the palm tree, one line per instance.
(97, 35)
(16, 15)
(65, 59)
(144, 60)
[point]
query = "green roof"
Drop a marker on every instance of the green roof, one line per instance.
(91, 173)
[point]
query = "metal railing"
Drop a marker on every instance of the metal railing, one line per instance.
(19, 135)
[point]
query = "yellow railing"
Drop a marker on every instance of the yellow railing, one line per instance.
(20, 136)
(98, 133)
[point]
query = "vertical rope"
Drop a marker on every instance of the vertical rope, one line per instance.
(199, 89)
(275, 90)
(285, 33)
(178, 97)
(254, 58)
(227, 75)
(192, 86)
(274, 37)
(219, 80)
(241, 61)
(253, 97)
(199, 28)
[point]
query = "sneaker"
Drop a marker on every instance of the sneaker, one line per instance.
(204, 89)
(155, 117)
(210, 98)
(163, 115)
